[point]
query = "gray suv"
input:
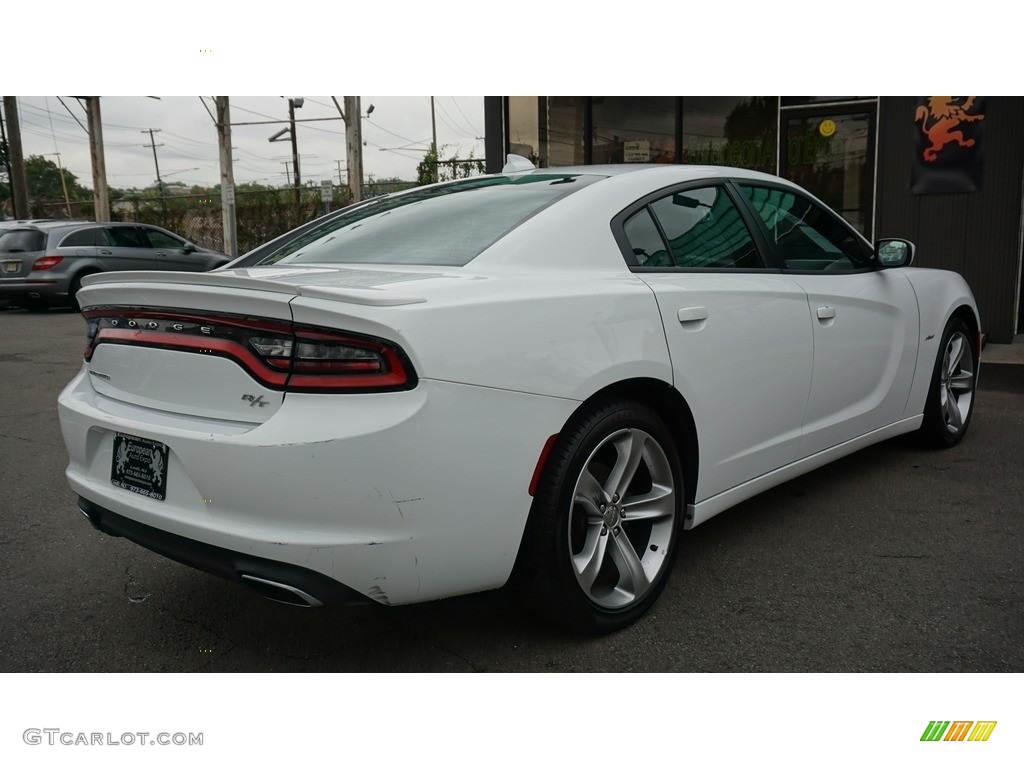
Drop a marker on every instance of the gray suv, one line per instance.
(42, 264)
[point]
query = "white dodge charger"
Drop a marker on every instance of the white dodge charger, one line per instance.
(543, 376)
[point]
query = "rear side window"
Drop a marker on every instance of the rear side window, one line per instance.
(692, 228)
(645, 240)
(442, 226)
(82, 238)
(705, 230)
(22, 241)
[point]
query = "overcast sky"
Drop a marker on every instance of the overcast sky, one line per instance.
(448, 46)
(396, 135)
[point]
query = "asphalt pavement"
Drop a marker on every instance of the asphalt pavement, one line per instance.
(895, 559)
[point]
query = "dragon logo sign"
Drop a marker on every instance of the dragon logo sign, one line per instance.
(940, 120)
(948, 144)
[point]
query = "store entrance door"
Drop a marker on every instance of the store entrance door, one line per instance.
(830, 151)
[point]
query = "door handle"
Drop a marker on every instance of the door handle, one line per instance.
(692, 318)
(692, 314)
(105, 252)
(826, 313)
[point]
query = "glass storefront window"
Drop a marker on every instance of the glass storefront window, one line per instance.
(562, 139)
(800, 101)
(731, 130)
(524, 127)
(633, 129)
(548, 130)
(832, 155)
(737, 131)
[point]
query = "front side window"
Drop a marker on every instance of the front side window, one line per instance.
(126, 237)
(704, 230)
(806, 236)
(444, 226)
(158, 239)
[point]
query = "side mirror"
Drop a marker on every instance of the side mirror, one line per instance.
(894, 252)
(189, 247)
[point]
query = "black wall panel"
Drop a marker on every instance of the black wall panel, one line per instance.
(976, 234)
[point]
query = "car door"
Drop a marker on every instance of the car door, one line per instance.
(125, 247)
(737, 331)
(81, 243)
(865, 321)
(169, 250)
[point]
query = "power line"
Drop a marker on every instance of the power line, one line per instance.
(73, 115)
(472, 126)
(444, 114)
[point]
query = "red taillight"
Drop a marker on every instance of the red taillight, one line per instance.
(325, 359)
(46, 262)
(278, 355)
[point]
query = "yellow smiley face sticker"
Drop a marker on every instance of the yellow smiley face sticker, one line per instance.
(827, 128)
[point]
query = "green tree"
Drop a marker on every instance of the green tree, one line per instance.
(432, 168)
(43, 179)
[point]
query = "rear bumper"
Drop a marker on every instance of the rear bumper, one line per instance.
(402, 497)
(15, 288)
(284, 582)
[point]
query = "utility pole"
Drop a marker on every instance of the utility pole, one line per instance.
(63, 185)
(353, 117)
(19, 184)
(340, 183)
(100, 193)
(287, 173)
(7, 156)
(152, 144)
(227, 177)
(433, 141)
(292, 104)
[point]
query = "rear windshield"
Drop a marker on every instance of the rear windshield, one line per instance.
(22, 241)
(442, 226)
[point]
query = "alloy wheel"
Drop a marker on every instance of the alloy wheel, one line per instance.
(622, 519)
(956, 382)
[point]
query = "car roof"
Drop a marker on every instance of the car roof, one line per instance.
(681, 171)
(43, 224)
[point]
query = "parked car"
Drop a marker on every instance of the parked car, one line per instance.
(43, 263)
(541, 376)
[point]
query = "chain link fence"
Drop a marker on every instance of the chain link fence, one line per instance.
(260, 215)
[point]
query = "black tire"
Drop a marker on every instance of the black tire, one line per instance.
(950, 403)
(74, 288)
(575, 565)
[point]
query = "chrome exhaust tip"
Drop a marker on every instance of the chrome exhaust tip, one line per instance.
(281, 593)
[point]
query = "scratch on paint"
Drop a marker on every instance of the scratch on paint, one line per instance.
(399, 502)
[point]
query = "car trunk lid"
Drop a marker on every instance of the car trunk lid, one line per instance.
(225, 345)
